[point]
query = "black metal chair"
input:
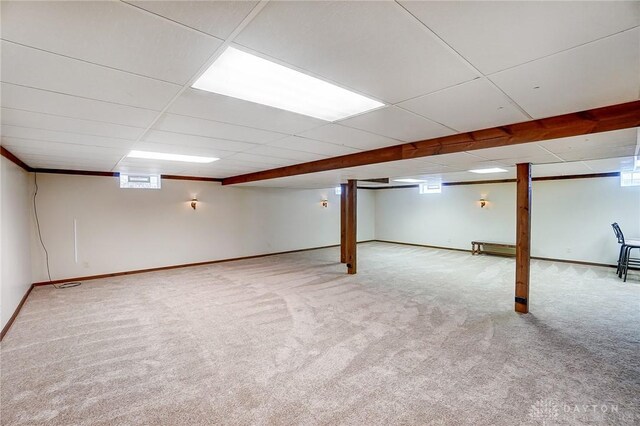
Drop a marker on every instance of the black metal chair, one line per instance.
(624, 258)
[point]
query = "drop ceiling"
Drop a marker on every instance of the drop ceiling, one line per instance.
(79, 92)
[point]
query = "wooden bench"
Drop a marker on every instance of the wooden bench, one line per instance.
(491, 247)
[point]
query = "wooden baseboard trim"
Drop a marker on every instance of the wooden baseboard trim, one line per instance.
(549, 259)
(577, 262)
(185, 265)
(6, 328)
(422, 245)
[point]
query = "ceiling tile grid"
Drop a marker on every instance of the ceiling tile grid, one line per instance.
(297, 143)
(87, 77)
(58, 104)
(71, 139)
(29, 67)
(396, 123)
(196, 141)
(153, 47)
(374, 48)
(200, 104)
(216, 18)
(601, 73)
(28, 119)
(495, 36)
(469, 106)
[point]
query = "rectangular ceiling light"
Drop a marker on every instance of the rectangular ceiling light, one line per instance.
(492, 170)
(244, 76)
(409, 180)
(171, 157)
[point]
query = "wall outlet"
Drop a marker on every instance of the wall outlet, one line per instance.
(85, 264)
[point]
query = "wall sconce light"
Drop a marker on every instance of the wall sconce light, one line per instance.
(194, 202)
(325, 203)
(483, 202)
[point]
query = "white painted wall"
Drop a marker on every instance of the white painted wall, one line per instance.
(121, 230)
(15, 231)
(571, 219)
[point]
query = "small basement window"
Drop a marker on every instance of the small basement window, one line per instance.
(630, 178)
(431, 188)
(139, 181)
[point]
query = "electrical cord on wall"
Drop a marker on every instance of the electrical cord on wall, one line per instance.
(46, 253)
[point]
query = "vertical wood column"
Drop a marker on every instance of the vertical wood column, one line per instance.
(343, 223)
(351, 228)
(523, 237)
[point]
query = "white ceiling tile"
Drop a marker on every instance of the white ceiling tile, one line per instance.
(468, 106)
(458, 159)
(599, 153)
(494, 36)
(617, 138)
(347, 136)
(73, 139)
(137, 165)
(465, 176)
(48, 148)
(397, 123)
(41, 70)
(373, 47)
(288, 154)
(239, 166)
(601, 73)
(222, 171)
(65, 163)
(606, 165)
(181, 149)
(538, 159)
(214, 129)
(20, 118)
(196, 141)
(110, 33)
(521, 153)
(560, 169)
(211, 106)
(217, 18)
(42, 101)
(262, 160)
(313, 146)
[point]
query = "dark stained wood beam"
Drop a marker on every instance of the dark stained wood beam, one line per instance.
(343, 223)
(352, 226)
(76, 172)
(597, 120)
(523, 237)
(375, 180)
(9, 156)
(195, 178)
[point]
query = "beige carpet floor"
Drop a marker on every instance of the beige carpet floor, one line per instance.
(419, 336)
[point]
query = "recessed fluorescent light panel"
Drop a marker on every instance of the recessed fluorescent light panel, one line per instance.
(244, 76)
(492, 170)
(171, 157)
(409, 180)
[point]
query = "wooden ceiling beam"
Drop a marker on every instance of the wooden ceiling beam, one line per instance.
(615, 117)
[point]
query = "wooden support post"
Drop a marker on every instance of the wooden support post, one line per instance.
(343, 223)
(351, 229)
(523, 237)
